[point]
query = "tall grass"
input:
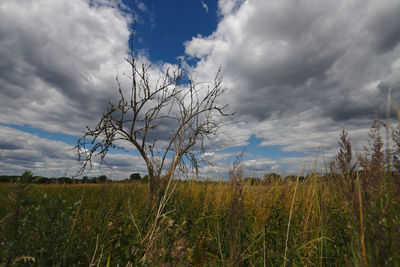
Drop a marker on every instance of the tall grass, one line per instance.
(94, 224)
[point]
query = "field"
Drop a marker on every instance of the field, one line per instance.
(316, 221)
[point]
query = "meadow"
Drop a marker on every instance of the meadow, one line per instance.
(314, 221)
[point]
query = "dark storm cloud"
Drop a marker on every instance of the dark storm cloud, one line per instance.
(385, 28)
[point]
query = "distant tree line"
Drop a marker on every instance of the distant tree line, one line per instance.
(268, 178)
(68, 180)
(56, 180)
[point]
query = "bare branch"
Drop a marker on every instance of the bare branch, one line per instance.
(189, 109)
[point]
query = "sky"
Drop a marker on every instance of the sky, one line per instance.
(296, 73)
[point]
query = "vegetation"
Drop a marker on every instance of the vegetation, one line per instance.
(56, 180)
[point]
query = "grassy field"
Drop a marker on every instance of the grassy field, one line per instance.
(317, 221)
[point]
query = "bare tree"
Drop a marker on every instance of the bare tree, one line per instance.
(172, 101)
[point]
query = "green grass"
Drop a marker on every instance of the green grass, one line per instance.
(109, 224)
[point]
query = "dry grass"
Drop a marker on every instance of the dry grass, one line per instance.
(309, 222)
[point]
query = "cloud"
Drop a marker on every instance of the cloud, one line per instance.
(260, 166)
(59, 61)
(24, 151)
(20, 151)
(216, 165)
(226, 7)
(204, 5)
(142, 7)
(300, 70)
(384, 26)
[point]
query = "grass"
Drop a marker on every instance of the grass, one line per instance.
(309, 222)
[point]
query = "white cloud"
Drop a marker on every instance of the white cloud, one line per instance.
(20, 151)
(216, 165)
(141, 6)
(204, 5)
(299, 71)
(60, 61)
